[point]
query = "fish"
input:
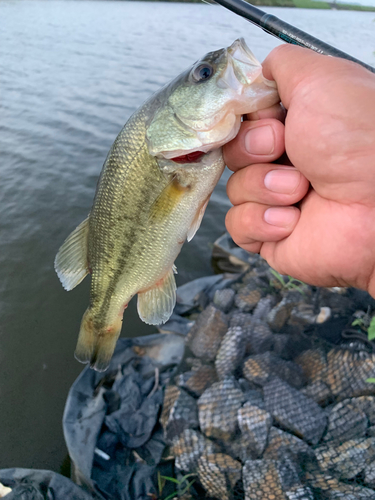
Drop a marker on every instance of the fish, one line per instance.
(153, 191)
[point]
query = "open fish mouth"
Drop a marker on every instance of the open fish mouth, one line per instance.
(193, 157)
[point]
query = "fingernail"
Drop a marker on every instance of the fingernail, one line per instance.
(281, 217)
(282, 181)
(260, 141)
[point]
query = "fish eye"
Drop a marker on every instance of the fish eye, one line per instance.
(202, 72)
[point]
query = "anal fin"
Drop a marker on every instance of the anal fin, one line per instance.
(71, 263)
(155, 305)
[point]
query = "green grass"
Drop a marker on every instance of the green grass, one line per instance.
(310, 4)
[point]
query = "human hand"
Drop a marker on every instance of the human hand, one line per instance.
(328, 239)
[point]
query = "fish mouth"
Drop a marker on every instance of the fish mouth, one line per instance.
(193, 157)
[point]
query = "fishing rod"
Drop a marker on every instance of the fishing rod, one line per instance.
(288, 33)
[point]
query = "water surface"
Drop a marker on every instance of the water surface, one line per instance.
(71, 74)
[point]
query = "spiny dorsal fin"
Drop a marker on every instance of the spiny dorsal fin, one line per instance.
(155, 306)
(71, 263)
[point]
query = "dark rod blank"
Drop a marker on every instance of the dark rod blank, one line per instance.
(288, 33)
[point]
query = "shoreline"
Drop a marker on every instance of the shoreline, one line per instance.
(300, 4)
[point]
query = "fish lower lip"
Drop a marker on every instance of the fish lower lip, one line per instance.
(189, 158)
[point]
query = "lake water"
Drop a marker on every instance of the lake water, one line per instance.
(71, 74)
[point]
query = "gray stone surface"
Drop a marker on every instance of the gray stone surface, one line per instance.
(273, 480)
(197, 381)
(294, 411)
(289, 474)
(238, 318)
(301, 315)
(319, 392)
(254, 397)
(345, 421)
(179, 412)
(300, 493)
(218, 407)
(218, 474)
(231, 352)
(224, 299)
(206, 334)
(331, 488)
(263, 308)
(188, 447)
(261, 480)
(347, 372)
(313, 363)
(261, 368)
(279, 315)
(248, 296)
(281, 443)
(369, 475)
(347, 460)
(367, 405)
(259, 339)
(254, 424)
(240, 449)
(281, 344)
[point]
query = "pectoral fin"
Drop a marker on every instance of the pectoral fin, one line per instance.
(155, 305)
(167, 200)
(197, 220)
(71, 264)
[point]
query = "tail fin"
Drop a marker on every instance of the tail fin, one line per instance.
(96, 347)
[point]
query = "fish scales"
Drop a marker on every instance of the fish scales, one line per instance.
(152, 193)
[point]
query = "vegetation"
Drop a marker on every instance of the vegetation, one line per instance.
(288, 283)
(182, 485)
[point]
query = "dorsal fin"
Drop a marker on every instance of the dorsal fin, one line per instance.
(71, 264)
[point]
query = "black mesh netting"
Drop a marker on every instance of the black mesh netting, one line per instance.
(261, 392)
(272, 399)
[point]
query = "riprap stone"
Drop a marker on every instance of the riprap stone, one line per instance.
(348, 371)
(348, 459)
(206, 334)
(318, 391)
(224, 299)
(188, 447)
(218, 474)
(294, 411)
(254, 424)
(313, 363)
(248, 296)
(179, 412)
(345, 422)
(281, 443)
(261, 368)
(197, 381)
(231, 352)
(218, 407)
(279, 315)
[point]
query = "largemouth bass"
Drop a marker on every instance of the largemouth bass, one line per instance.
(152, 194)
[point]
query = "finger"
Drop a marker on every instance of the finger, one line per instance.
(251, 223)
(292, 67)
(268, 184)
(277, 112)
(260, 141)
